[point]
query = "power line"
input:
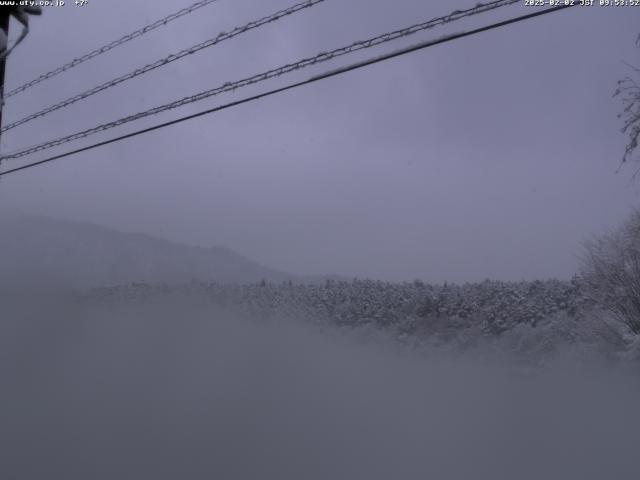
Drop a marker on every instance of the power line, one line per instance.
(232, 86)
(165, 61)
(110, 46)
(317, 78)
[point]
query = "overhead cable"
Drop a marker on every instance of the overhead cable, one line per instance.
(277, 72)
(109, 46)
(314, 79)
(221, 37)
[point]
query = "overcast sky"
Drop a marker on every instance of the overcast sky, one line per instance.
(492, 156)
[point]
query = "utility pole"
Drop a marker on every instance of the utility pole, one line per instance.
(5, 15)
(21, 14)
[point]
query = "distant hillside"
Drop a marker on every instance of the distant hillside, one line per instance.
(82, 254)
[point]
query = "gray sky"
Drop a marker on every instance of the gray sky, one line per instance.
(491, 156)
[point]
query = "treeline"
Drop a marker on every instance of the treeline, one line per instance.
(415, 308)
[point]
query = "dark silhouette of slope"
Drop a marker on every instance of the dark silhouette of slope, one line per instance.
(77, 254)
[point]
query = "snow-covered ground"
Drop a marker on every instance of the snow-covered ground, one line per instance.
(176, 386)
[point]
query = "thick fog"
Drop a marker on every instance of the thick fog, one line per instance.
(177, 389)
(239, 296)
(488, 157)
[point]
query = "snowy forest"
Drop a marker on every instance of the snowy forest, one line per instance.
(596, 313)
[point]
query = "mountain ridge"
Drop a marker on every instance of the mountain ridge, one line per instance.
(85, 254)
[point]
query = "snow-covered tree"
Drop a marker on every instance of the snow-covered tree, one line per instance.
(611, 271)
(629, 90)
